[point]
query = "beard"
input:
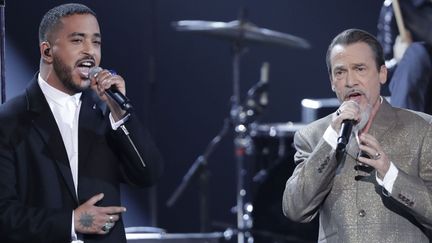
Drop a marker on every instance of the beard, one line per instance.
(64, 73)
(364, 118)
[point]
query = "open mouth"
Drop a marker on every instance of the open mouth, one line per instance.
(353, 95)
(84, 67)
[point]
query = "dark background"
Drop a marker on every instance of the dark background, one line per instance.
(181, 83)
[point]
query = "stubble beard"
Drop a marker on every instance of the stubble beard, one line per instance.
(64, 73)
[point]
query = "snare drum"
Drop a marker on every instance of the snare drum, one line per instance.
(275, 129)
(272, 140)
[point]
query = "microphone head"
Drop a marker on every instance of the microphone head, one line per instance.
(94, 71)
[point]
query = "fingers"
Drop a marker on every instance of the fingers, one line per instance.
(378, 159)
(109, 223)
(93, 200)
(105, 80)
(349, 110)
(91, 219)
(112, 210)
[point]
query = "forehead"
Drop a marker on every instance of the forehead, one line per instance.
(356, 53)
(78, 23)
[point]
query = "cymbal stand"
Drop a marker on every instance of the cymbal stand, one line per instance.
(199, 167)
(241, 144)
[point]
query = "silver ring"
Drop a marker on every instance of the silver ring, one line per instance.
(107, 226)
(338, 112)
(111, 219)
(377, 156)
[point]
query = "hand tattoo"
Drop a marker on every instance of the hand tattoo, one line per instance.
(86, 220)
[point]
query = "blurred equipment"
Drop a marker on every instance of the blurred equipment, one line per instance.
(399, 20)
(174, 238)
(239, 30)
(240, 33)
(313, 109)
(257, 95)
(2, 52)
(274, 161)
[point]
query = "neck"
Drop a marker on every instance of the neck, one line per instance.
(48, 74)
(374, 110)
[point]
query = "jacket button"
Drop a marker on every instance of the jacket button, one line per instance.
(362, 213)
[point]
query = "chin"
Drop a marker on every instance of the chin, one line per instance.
(85, 84)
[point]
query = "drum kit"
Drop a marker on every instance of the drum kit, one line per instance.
(241, 119)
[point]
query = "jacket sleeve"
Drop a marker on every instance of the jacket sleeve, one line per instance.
(312, 178)
(141, 161)
(414, 192)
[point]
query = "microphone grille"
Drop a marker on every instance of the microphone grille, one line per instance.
(94, 71)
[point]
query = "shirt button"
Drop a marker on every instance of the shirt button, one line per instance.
(362, 213)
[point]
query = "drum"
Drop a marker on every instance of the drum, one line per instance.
(214, 237)
(273, 155)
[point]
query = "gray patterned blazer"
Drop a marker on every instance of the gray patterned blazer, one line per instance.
(351, 205)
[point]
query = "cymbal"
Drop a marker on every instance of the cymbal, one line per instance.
(235, 30)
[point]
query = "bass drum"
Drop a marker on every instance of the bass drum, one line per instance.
(274, 153)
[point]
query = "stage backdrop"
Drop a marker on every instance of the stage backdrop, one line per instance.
(181, 83)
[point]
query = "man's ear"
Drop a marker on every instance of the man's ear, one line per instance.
(331, 82)
(383, 74)
(45, 51)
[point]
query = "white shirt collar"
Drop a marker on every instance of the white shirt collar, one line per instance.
(55, 95)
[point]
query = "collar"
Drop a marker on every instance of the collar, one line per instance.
(55, 95)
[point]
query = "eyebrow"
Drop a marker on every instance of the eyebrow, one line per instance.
(359, 65)
(98, 35)
(339, 68)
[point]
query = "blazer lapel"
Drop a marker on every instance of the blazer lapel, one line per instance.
(90, 122)
(44, 122)
(384, 121)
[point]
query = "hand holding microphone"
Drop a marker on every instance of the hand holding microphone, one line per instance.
(343, 121)
(106, 83)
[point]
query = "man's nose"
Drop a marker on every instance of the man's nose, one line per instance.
(89, 48)
(351, 79)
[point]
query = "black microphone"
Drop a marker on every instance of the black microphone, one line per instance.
(344, 134)
(113, 92)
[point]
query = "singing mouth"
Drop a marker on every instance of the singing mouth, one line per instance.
(353, 95)
(84, 66)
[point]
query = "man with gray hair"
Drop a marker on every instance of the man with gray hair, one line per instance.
(378, 187)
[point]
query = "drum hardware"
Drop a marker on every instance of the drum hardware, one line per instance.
(265, 234)
(239, 32)
(200, 167)
(276, 131)
(274, 163)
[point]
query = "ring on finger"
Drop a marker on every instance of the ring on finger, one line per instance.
(107, 226)
(111, 219)
(377, 156)
(338, 112)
